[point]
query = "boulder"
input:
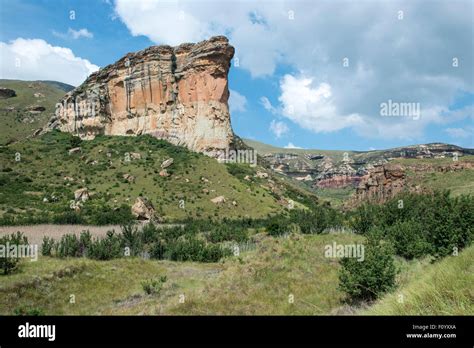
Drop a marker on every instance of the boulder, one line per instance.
(164, 173)
(167, 163)
(35, 109)
(7, 93)
(81, 194)
(135, 155)
(129, 178)
(74, 150)
(37, 132)
(142, 209)
(218, 200)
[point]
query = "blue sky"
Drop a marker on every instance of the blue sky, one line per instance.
(311, 74)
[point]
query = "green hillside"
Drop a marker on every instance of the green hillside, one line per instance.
(457, 182)
(16, 120)
(40, 185)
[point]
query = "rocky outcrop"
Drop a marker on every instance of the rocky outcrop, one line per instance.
(143, 209)
(381, 183)
(218, 200)
(7, 93)
(81, 194)
(35, 109)
(179, 94)
(167, 163)
(336, 176)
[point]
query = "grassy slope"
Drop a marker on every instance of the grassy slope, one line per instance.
(258, 282)
(11, 127)
(443, 288)
(461, 182)
(46, 162)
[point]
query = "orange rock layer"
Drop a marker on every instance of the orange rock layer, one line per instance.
(179, 94)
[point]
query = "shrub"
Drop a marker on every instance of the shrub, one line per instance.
(409, 239)
(368, 279)
(363, 218)
(68, 246)
(85, 241)
(316, 221)
(239, 170)
(106, 248)
(131, 238)
(102, 214)
(158, 250)
(223, 233)
(8, 263)
(149, 233)
(30, 311)
(277, 226)
(153, 286)
(75, 141)
(47, 246)
(67, 217)
(193, 249)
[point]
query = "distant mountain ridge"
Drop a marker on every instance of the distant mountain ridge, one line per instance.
(335, 173)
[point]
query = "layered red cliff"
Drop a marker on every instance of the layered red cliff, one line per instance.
(179, 94)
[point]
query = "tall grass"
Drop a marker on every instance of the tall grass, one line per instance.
(443, 288)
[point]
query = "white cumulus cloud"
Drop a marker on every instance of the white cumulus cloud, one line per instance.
(341, 49)
(35, 59)
(312, 106)
(74, 34)
(278, 128)
(292, 146)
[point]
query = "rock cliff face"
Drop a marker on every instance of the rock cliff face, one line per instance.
(178, 94)
(381, 184)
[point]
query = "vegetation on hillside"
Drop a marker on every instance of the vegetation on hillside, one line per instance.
(38, 179)
(410, 226)
(18, 119)
(443, 288)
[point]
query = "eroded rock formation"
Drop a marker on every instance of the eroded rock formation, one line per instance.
(178, 94)
(382, 183)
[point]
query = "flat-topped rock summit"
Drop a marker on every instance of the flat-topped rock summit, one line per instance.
(179, 94)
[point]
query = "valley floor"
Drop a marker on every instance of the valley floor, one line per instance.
(287, 276)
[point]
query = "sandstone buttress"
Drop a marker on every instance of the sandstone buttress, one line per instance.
(179, 94)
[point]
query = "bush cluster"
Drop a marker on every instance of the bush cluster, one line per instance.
(9, 263)
(420, 225)
(368, 279)
(177, 243)
(154, 286)
(410, 226)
